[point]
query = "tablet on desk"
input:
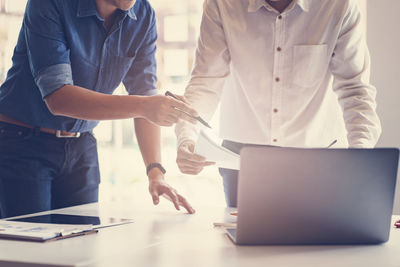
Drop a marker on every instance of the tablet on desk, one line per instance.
(56, 218)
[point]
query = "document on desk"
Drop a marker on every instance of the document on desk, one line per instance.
(41, 231)
(229, 221)
(208, 147)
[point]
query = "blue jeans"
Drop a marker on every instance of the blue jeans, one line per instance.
(230, 177)
(39, 171)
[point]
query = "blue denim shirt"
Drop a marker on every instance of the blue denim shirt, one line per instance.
(65, 42)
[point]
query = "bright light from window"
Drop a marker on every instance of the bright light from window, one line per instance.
(176, 28)
(176, 62)
(16, 6)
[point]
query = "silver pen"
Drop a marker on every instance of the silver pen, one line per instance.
(198, 118)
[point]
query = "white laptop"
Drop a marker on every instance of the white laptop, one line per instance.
(291, 196)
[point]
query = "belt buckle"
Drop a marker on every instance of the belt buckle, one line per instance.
(60, 135)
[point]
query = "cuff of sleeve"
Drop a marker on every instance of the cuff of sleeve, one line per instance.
(361, 143)
(185, 131)
(53, 78)
(144, 92)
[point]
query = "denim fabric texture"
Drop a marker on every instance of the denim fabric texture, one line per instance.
(39, 171)
(230, 177)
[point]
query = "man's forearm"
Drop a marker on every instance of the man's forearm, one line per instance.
(149, 140)
(80, 103)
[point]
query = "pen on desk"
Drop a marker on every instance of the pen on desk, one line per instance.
(198, 118)
(222, 224)
(334, 142)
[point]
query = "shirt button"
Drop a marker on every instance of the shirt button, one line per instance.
(280, 17)
(275, 140)
(275, 110)
(278, 49)
(277, 79)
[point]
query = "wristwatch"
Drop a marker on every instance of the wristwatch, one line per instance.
(155, 165)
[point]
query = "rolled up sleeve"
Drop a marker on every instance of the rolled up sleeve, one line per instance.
(54, 77)
(47, 48)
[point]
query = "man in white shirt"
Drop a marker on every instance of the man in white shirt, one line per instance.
(279, 68)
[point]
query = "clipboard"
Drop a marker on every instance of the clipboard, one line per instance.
(42, 232)
(44, 239)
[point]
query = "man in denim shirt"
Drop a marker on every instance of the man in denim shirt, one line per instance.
(70, 57)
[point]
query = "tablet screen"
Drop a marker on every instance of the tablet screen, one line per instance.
(97, 222)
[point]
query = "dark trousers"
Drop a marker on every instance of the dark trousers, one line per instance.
(230, 177)
(39, 171)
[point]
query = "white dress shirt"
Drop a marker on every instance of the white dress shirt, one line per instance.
(299, 78)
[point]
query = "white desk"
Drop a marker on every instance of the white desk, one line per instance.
(162, 237)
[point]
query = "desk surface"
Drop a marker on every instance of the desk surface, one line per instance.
(162, 237)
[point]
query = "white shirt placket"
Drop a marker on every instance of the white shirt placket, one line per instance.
(277, 81)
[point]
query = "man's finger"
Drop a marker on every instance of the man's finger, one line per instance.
(184, 152)
(182, 98)
(166, 123)
(154, 195)
(184, 203)
(172, 197)
(180, 115)
(175, 112)
(172, 118)
(184, 116)
(188, 146)
(188, 165)
(183, 106)
(190, 171)
(193, 164)
(185, 168)
(187, 155)
(189, 168)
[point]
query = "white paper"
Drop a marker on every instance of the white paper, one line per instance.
(211, 149)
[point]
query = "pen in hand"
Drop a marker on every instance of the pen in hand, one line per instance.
(198, 118)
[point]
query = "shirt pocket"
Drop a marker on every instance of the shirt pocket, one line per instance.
(309, 64)
(116, 69)
(84, 72)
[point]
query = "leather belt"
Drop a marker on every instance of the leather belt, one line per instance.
(57, 133)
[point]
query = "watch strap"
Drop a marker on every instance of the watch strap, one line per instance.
(155, 165)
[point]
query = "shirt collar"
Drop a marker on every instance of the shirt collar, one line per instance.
(87, 8)
(131, 14)
(255, 5)
(304, 4)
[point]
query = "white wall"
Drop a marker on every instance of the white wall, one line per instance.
(383, 37)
